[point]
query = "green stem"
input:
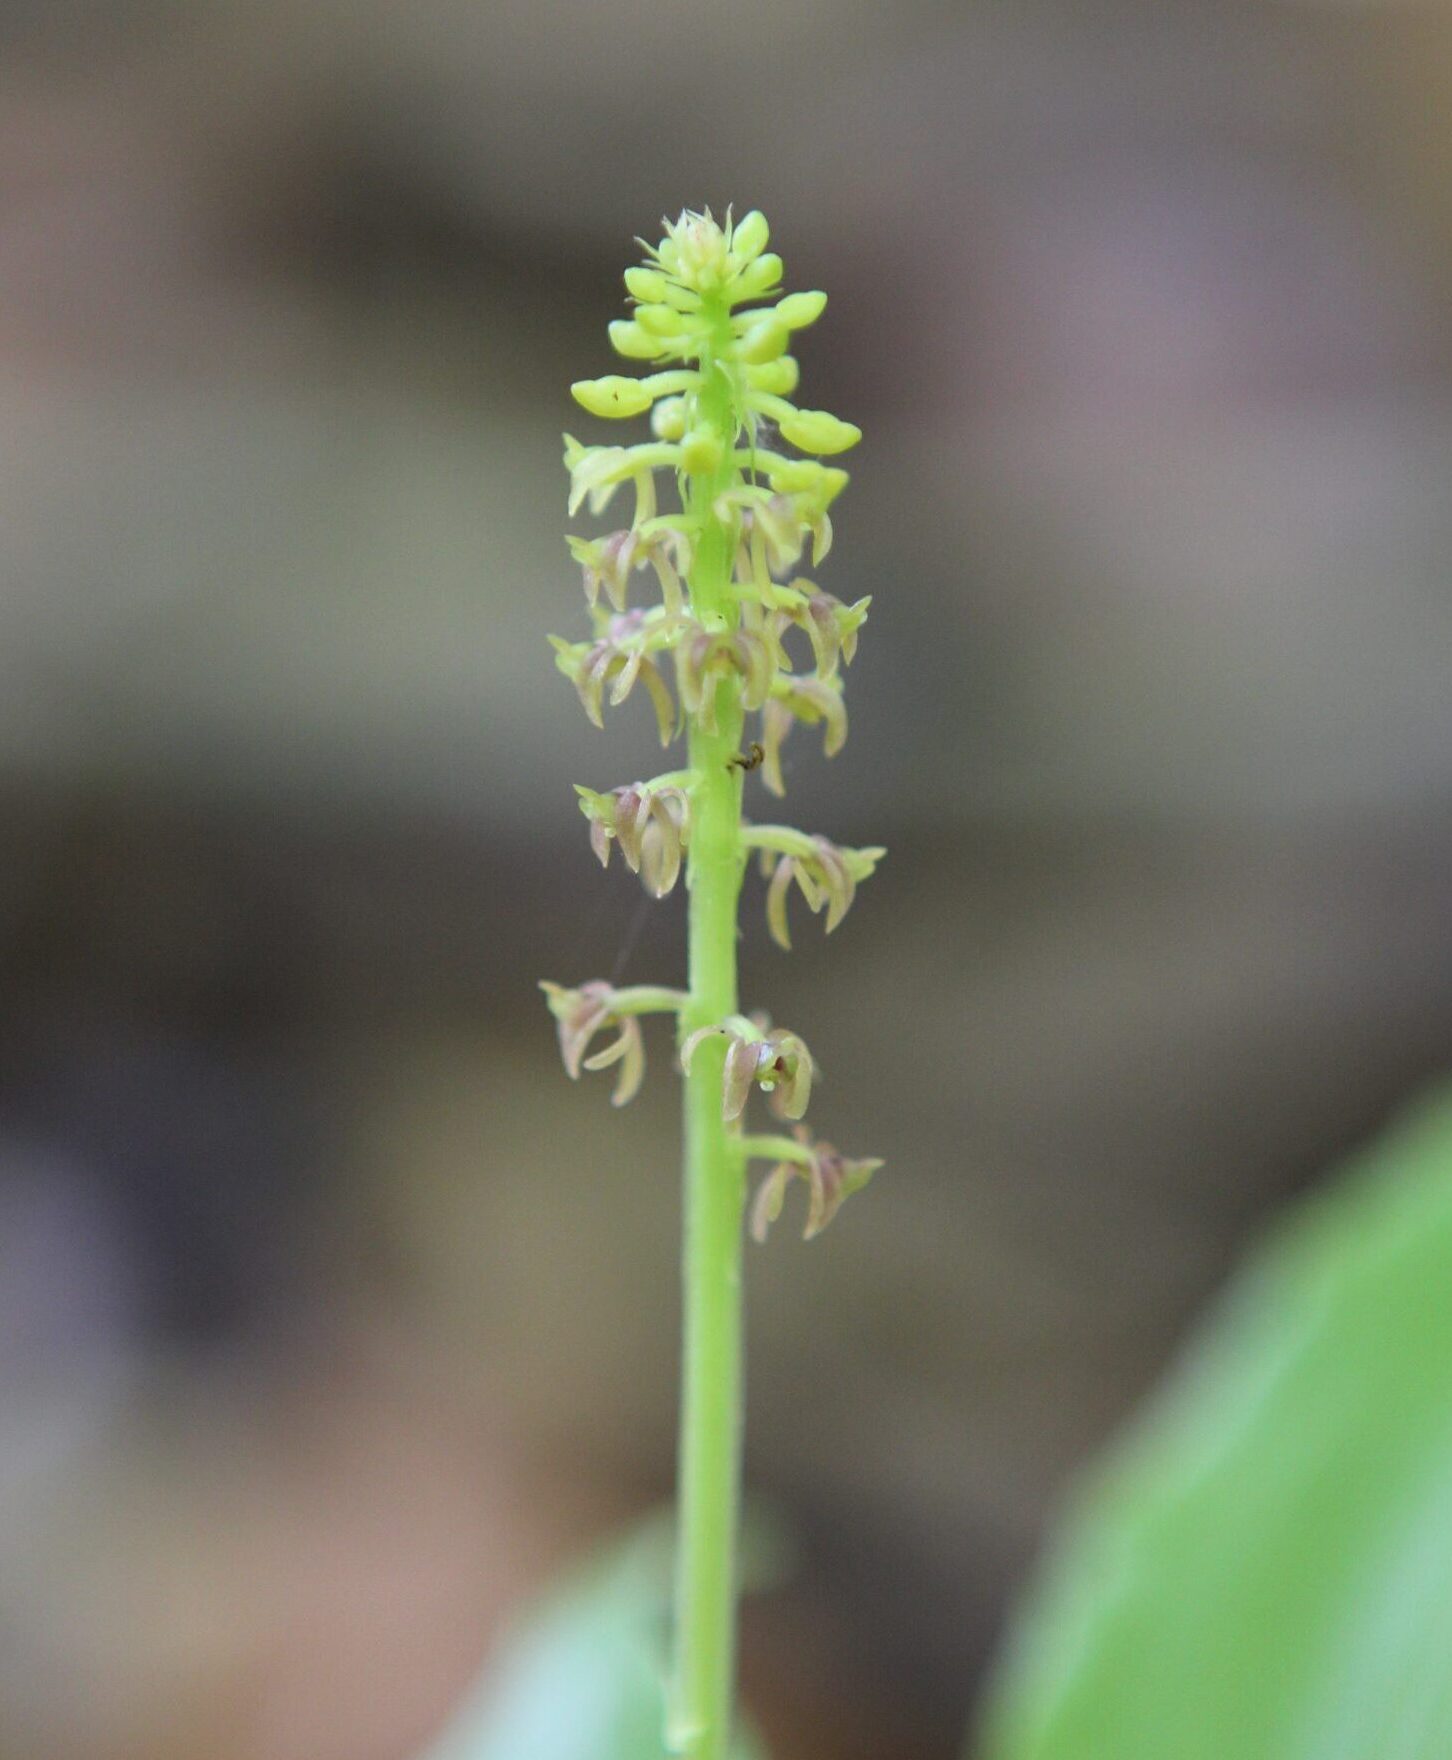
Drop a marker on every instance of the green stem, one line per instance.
(710, 1438)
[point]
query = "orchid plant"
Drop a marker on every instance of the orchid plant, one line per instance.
(738, 630)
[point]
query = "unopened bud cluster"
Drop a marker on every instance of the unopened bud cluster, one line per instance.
(709, 318)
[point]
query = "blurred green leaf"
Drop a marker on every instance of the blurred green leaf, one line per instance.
(1264, 1569)
(583, 1678)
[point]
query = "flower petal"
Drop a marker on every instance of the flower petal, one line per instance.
(743, 1061)
(776, 903)
(770, 1196)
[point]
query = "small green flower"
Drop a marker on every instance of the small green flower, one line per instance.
(621, 657)
(706, 656)
(608, 562)
(830, 1176)
(830, 626)
(826, 874)
(772, 1059)
(593, 1008)
(651, 822)
(596, 472)
(794, 698)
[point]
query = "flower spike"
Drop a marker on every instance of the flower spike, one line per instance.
(733, 487)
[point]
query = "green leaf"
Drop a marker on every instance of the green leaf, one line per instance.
(583, 1678)
(1263, 1571)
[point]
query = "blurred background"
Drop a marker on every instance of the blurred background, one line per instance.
(332, 1318)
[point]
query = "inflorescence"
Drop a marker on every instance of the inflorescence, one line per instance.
(709, 318)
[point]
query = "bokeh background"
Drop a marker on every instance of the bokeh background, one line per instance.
(332, 1319)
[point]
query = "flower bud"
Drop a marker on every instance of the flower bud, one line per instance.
(750, 234)
(757, 278)
(701, 451)
(700, 250)
(614, 395)
(629, 339)
(660, 320)
(820, 483)
(798, 310)
(646, 284)
(816, 430)
(668, 419)
(764, 341)
(778, 378)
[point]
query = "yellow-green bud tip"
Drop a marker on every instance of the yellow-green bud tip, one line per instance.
(815, 430)
(635, 344)
(614, 395)
(701, 451)
(668, 418)
(749, 235)
(798, 310)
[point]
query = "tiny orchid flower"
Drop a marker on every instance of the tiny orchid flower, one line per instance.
(650, 821)
(831, 627)
(771, 534)
(706, 657)
(592, 1008)
(830, 1176)
(621, 658)
(608, 562)
(774, 1060)
(825, 873)
(795, 698)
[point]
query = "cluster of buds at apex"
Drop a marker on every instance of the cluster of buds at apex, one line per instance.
(621, 658)
(830, 1176)
(703, 657)
(608, 562)
(769, 1058)
(831, 627)
(794, 698)
(699, 267)
(651, 821)
(825, 873)
(593, 1008)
